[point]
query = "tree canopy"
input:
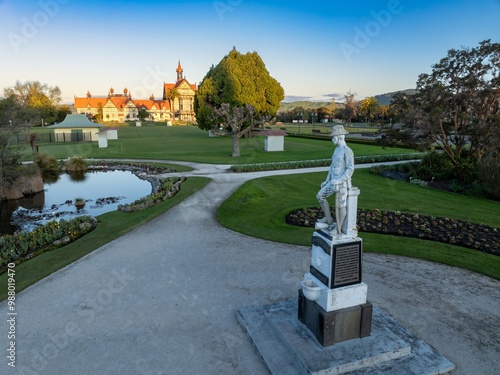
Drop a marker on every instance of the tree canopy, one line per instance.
(238, 80)
(369, 107)
(41, 100)
(457, 105)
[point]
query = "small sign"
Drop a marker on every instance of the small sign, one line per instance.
(344, 263)
(347, 265)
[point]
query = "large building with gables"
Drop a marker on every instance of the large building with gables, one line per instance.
(177, 103)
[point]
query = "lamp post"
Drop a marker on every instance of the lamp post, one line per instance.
(10, 123)
(312, 119)
(300, 119)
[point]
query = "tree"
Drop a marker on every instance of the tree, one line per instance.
(13, 116)
(99, 116)
(457, 106)
(143, 114)
(63, 111)
(236, 118)
(171, 94)
(238, 81)
(350, 106)
(34, 94)
(324, 113)
(400, 105)
(369, 106)
(41, 98)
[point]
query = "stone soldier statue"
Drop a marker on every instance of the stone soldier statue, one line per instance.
(337, 181)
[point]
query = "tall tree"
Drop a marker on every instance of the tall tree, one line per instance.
(238, 80)
(13, 116)
(350, 106)
(171, 94)
(458, 104)
(369, 106)
(400, 105)
(43, 99)
(324, 113)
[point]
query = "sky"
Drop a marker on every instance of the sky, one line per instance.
(317, 50)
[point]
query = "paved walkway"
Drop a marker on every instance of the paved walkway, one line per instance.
(161, 299)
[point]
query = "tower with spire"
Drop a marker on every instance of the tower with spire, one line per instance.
(179, 71)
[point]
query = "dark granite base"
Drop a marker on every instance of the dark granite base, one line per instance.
(335, 326)
(288, 347)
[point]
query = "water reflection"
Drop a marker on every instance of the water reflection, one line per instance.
(102, 192)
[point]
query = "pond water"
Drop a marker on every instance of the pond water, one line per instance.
(102, 192)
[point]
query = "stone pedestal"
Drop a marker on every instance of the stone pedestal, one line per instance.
(335, 326)
(341, 312)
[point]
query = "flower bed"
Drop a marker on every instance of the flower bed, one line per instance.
(456, 232)
(25, 245)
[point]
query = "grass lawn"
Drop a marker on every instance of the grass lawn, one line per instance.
(189, 143)
(258, 208)
(111, 225)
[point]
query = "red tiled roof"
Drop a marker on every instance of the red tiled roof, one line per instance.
(119, 101)
(148, 104)
(94, 102)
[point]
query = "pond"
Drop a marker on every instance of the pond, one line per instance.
(101, 192)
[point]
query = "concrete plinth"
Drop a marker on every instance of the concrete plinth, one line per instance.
(288, 347)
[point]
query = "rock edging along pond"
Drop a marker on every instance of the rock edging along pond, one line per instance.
(442, 229)
(25, 245)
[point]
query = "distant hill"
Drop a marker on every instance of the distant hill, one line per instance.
(385, 99)
(289, 106)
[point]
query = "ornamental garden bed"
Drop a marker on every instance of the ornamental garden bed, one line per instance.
(442, 229)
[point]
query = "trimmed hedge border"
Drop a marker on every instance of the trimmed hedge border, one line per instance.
(257, 167)
(442, 229)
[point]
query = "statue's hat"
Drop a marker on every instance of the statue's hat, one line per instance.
(338, 130)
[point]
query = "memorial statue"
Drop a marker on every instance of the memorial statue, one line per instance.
(337, 182)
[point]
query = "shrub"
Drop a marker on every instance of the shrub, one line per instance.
(488, 170)
(435, 165)
(46, 162)
(76, 164)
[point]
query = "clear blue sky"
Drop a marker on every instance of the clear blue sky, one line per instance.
(317, 50)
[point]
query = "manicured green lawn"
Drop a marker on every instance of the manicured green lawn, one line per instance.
(258, 208)
(189, 143)
(111, 225)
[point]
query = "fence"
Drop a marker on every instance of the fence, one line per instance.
(77, 136)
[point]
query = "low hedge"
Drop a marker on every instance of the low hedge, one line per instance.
(240, 168)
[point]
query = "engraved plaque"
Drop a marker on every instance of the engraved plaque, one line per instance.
(346, 264)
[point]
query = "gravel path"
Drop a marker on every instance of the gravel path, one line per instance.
(161, 299)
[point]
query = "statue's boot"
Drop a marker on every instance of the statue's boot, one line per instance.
(325, 206)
